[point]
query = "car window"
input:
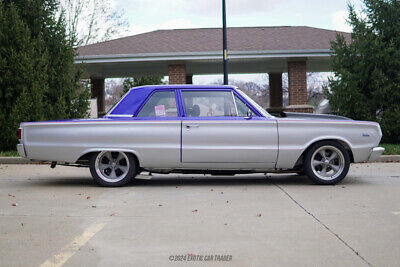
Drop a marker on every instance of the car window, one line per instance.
(209, 104)
(242, 107)
(254, 104)
(160, 104)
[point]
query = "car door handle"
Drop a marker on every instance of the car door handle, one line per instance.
(192, 126)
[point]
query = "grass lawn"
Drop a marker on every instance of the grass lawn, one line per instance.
(10, 153)
(391, 149)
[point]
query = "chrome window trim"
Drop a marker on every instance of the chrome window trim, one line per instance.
(234, 102)
(120, 115)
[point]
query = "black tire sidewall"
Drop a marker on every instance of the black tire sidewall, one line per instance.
(308, 168)
(129, 177)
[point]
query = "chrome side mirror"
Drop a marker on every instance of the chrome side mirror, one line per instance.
(249, 115)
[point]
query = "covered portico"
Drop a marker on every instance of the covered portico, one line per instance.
(180, 54)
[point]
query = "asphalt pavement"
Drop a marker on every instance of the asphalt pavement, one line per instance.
(55, 217)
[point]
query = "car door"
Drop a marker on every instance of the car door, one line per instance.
(156, 133)
(216, 129)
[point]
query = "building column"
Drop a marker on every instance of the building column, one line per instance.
(275, 92)
(97, 89)
(189, 78)
(177, 73)
(297, 74)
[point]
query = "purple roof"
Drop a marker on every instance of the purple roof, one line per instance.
(135, 97)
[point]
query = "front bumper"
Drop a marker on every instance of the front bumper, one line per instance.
(376, 152)
(21, 150)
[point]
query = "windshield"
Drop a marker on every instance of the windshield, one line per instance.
(254, 103)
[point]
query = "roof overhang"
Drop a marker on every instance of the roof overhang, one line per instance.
(125, 65)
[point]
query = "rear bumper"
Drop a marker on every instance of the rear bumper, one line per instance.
(21, 150)
(376, 152)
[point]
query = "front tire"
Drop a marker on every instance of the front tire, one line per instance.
(326, 163)
(112, 168)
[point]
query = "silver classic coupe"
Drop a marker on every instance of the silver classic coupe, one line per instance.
(215, 130)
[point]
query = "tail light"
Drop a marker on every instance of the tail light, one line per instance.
(19, 134)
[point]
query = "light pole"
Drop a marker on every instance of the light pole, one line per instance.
(224, 43)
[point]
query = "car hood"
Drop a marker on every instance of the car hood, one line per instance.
(308, 116)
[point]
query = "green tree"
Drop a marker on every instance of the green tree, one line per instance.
(366, 81)
(143, 80)
(38, 79)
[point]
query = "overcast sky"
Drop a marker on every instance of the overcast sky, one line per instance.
(149, 15)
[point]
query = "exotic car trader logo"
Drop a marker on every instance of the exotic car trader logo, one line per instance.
(194, 257)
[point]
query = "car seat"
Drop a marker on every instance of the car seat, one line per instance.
(195, 111)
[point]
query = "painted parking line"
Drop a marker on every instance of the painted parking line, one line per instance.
(69, 250)
(396, 212)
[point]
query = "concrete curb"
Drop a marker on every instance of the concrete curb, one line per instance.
(389, 158)
(19, 160)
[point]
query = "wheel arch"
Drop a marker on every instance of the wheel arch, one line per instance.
(85, 156)
(341, 141)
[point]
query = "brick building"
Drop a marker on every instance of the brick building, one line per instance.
(180, 54)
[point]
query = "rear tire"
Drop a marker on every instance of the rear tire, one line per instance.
(113, 168)
(326, 163)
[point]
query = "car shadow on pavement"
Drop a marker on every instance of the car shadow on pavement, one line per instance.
(221, 180)
(182, 180)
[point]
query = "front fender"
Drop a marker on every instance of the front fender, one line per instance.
(295, 136)
(327, 137)
(288, 155)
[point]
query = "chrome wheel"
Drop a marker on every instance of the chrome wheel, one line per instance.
(112, 166)
(327, 162)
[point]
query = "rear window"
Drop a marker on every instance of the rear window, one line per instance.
(160, 104)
